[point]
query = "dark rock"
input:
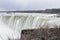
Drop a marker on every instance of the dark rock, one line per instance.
(41, 34)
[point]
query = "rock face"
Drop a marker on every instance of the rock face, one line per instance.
(41, 34)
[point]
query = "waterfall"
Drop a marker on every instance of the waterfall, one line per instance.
(6, 32)
(19, 23)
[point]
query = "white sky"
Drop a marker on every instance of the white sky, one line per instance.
(28, 4)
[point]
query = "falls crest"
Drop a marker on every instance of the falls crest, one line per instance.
(26, 22)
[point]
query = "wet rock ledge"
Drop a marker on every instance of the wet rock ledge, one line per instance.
(41, 34)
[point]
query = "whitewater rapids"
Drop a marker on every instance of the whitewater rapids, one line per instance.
(12, 25)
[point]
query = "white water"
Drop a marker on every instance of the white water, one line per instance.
(13, 24)
(6, 32)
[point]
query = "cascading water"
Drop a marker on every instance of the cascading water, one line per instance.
(19, 23)
(6, 32)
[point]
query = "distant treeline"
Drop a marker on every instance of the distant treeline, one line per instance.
(34, 11)
(51, 11)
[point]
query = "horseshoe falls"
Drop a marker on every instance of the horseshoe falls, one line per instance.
(12, 24)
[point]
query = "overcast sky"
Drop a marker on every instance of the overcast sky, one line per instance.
(28, 4)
